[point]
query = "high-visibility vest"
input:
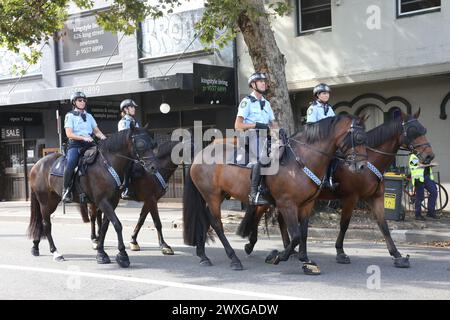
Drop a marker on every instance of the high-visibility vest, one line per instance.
(416, 171)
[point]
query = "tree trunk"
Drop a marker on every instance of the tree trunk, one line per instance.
(266, 57)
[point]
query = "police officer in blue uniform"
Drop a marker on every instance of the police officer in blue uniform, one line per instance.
(79, 126)
(318, 110)
(256, 115)
(128, 110)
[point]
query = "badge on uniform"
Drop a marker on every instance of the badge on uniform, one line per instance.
(243, 104)
(310, 111)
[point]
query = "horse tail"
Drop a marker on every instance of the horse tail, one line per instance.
(35, 225)
(246, 226)
(84, 212)
(195, 214)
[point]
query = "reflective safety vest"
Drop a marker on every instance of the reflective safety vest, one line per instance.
(416, 171)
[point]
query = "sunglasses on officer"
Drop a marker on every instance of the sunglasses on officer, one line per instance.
(81, 100)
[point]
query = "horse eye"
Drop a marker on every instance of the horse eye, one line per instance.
(141, 145)
(412, 131)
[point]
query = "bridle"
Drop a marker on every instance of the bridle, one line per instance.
(406, 143)
(140, 145)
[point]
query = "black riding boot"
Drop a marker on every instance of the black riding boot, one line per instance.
(255, 197)
(329, 183)
(67, 181)
(126, 194)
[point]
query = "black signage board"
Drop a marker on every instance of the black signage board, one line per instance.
(20, 119)
(11, 133)
(105, 113)
(85, 39)
(214, 85)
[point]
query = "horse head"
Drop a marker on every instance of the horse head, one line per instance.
(414, 138)
(352, 140)
(141, 146)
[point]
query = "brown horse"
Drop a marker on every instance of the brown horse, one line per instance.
(148, 189)
(208, 183)
(384, 142)
(98, 184)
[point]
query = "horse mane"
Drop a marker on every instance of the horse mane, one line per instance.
(320, 130)
(115, 142)
(166, 149)
(383, 132)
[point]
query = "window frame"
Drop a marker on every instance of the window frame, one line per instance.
(300, 32)
(398, 5)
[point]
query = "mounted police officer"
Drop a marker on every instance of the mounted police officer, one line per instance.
(318, 110)
(256, 115)
(128, 111)
(422, 178)
(79, 126)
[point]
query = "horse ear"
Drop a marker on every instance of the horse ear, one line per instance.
(417, 114)
(364, 117)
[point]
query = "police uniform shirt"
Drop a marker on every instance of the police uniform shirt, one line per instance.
(125, 123)
(254, 110)
(75, 121)
(318, 111)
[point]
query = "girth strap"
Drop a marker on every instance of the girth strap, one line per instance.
(372, 168)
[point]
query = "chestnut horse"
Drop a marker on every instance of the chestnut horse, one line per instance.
(208, 183)
(99, 185)
(384, 142)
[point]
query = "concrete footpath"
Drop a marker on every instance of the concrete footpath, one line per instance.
(322, 225)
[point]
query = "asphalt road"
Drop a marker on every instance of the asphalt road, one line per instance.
(371, 275)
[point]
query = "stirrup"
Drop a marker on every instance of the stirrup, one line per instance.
(67, 196)
(125, 195)
(258, 200)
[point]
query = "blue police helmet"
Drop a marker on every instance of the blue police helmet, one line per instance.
(321, 87)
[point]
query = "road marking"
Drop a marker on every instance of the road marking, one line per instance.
(150, 281)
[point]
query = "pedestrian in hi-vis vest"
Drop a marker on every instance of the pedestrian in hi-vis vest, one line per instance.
(422, 178)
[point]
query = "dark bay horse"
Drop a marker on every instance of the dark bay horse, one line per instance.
(207, 183)
(384, 142)
(99, 185)
(148, 189)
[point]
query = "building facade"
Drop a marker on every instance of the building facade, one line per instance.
(164, 62)
(377, 55)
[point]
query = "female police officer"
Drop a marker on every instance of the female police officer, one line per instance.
(79, 126)
(128, 110)
(255, 114)
(318, 110)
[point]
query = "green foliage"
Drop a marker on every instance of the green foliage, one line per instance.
(32, 22)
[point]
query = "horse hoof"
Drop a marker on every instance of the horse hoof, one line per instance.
(273, 257)
(134, 246)
(236, 266)
(167, 251)
(102, 258)
(206, 263)
(342, 258)
(123, 260)
(58, 257)
(311, 269)
(35, 252)
(248, 248)
(401, 262)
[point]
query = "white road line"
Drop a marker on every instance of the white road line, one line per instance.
(150, 281)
